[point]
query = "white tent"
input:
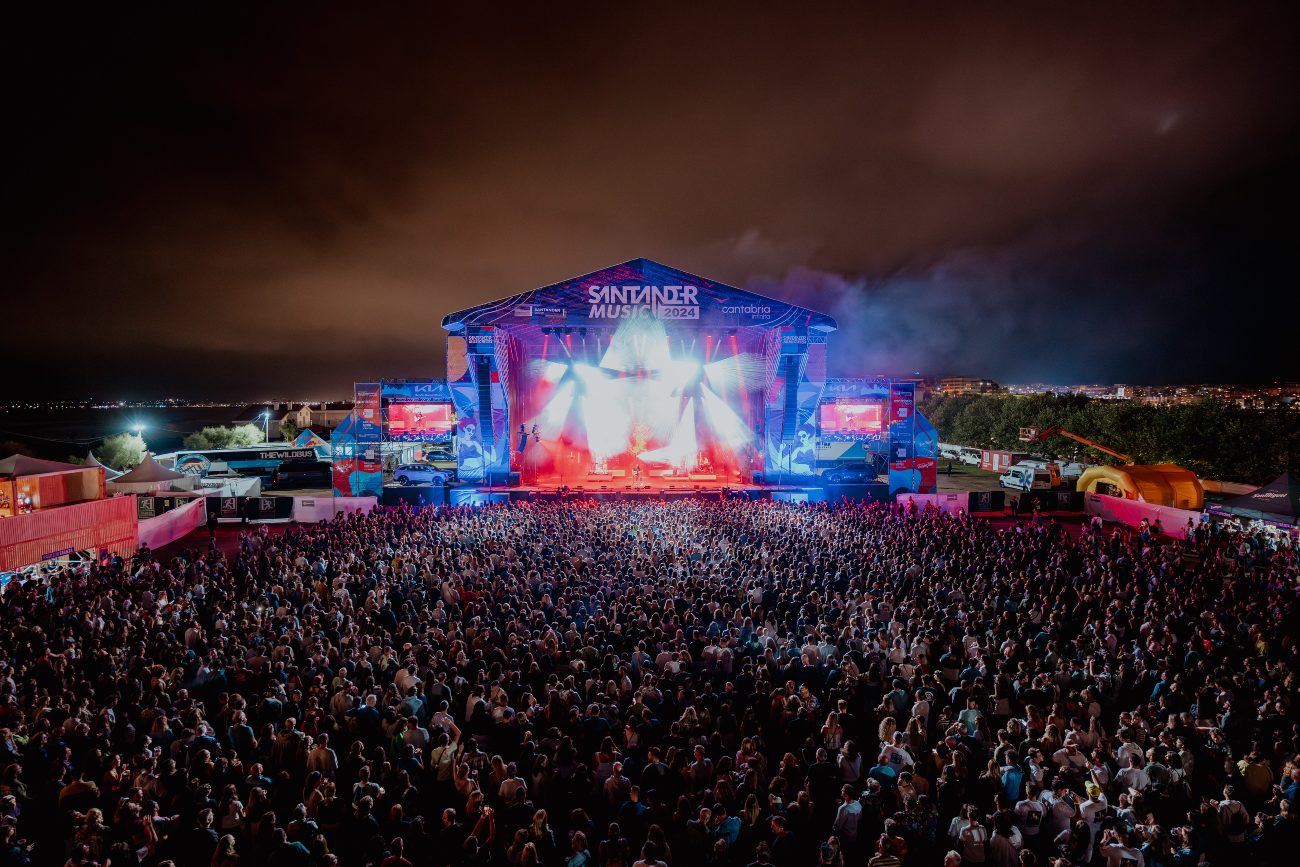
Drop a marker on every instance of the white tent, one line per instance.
(149, 477)
(109, 472)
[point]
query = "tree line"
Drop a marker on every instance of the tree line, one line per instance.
(1214, 439)
(125, 450)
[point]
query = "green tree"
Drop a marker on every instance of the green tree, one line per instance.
(122, 451)
(246, 435)
(224, 437)
(288, 430)
(1214, 439)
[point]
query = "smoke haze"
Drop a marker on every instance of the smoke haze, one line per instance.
(247, 201)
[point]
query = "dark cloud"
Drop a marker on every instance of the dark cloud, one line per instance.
(257, 200)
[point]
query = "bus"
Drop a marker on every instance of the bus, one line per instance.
(262, 462)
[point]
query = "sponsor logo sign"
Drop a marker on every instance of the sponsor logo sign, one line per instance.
(655, 302)
(753, 311)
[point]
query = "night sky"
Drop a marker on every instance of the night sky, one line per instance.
(232, 201)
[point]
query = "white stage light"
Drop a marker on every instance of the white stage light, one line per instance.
(682, 448)
(729, 428)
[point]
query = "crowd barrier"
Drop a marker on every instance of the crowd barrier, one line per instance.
(149, 506)
(1048, 501)
(986, 501)
(304, 510)
(313, 510)
(251, 508)
(173, 524)
(869, 492)
(951, 503)
(422, 495)
(1131, 512)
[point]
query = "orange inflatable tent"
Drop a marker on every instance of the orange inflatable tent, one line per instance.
(1157, 484)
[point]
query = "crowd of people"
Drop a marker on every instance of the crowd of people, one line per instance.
(657, 685)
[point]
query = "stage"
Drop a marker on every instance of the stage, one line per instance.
(644, 380)
(467, 495)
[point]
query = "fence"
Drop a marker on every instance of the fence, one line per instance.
(173, 524)
(1048, 501)
(1131, 512)
(97, 526)
(951, 503)
(311, 510)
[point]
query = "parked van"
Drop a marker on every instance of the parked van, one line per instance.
(969, 456)
(1026, 478)
(1052, 467)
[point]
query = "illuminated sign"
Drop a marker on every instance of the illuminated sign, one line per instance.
(753, 311)
(630, 302)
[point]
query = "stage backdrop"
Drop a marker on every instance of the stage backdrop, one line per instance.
(636, 374)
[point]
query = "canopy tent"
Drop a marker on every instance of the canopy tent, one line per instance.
(151, 476)
(109, 472)
(1277, 502)
(30, 484)
(25, 465)
(1157, 484)
(309, 439)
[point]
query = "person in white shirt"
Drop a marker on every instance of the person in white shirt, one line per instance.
(1029, 814)
(969, 835)
(1234, 818)
(1116, 850)
(899, 758)
(921, 707)
(415, 736)
(406, 678)
(1060, 806)
(1070, 757)
(848, 816)
(1006, 843)
(1134, 776)
(1127, 749)
(322, 758)
(1098, 770)
(441, 719)
(1092, 811)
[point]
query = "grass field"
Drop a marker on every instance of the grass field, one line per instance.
(965, 478)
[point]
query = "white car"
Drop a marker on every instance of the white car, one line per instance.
(421, 474)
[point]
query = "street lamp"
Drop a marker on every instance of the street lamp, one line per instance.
(266, 426)
(139, 428)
